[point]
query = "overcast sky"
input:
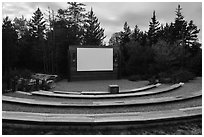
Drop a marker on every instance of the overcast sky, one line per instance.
(112, 15)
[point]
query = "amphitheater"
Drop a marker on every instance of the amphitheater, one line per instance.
(88, 105)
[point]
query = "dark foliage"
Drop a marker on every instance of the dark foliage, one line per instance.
(139, 63)
(41, 44)
(153, 30)
(93, 34)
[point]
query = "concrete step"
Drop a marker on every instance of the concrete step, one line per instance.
(102, 118)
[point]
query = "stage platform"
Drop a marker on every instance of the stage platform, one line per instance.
(97, 85)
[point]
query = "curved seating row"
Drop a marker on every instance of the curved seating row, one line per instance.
(99, 92)
(51, 94)
(102, 103)
(106, 92)
(102, 118)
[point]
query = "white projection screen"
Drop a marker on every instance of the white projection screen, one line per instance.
(94, 59)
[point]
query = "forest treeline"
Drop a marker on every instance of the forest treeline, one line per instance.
(40, 44)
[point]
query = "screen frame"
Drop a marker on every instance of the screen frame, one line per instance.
(99, 70)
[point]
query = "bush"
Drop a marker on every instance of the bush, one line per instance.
(21, 74)
(168, 56)
(195, 64)
(182, 76)
(138, 77)
(134, 78)
(10, 80)
(140, 59)
(176, 76)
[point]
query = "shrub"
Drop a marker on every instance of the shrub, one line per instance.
(21, 74)
(176, 76)
(140, 59)
(139, 77)
(195, 64)
(134, 78)
(182, 76)
(10, 81)
(168, 56)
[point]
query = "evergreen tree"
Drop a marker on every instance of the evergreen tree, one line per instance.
(115, 39)
(192, 33)
(69, 30)
(72, 22)
(50, 41)
(125, 38)
(20, 25)
(166, 33)
(24, 43)
(136, 35)
(139, 36)
(180, 27)
(125, 34)
(93, 34)
(9, 46)
(37, 25)
(75, 17)
(153, 30)
(37, 31)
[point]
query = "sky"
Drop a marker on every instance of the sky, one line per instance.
(113, 15)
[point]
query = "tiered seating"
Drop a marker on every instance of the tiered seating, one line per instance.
(102, 118)
(51, 94)
(102, 103)
(99, 100)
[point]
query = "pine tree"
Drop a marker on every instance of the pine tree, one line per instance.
(71, 21)
(37, 32)
(24, 43)
(75, 12)
(136, 34)
(75, 17)
(9, 46)
(20, 25)
(125, 38)
(125, 34)
(37, 25)
(94, 34)
(153, 29)
(68, 31)
(166, 33)
(192, 33)
(50, 41)
(180, 26)
(115, 39)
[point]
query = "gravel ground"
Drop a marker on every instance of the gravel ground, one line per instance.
(100, 85)
(180, 128)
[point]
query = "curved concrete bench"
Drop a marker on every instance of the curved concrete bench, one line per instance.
(106, 92)
(150, 92)
(102, 118)
(102, 103)
(99, 92)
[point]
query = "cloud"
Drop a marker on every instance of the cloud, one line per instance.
(112, 15)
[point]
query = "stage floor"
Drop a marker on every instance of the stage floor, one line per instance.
(97, 85)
